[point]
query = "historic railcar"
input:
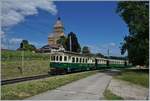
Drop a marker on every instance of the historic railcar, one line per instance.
(116, 63)
(66, 62)
(101, 63)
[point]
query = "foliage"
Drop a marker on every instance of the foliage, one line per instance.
(117, 57)
(110, 96)
(27, 89)
(100, 55)
(136, 15)
(86, 50)
(62, 41)
(24, 45)
(136, 77)
(72, 39)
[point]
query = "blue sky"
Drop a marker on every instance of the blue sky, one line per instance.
(96, 25)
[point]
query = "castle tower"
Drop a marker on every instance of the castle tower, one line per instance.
(58, 31)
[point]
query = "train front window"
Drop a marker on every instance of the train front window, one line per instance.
(86, 60)
(80, 60)
(73, 59)
(53, 58)
(60, 58)
(65, 58)
(57, 58)
(76, 60)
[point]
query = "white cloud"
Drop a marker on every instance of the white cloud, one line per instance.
(15, 11)
(10, 43)
(15, 40)
(2, 34)
(36, 44)
(112, 44)
(103, 48)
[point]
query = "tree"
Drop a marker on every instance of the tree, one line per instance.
(24, 45)
(62, 41)
(136, 15)
(85, 50)
(31, 47)
(73, 42)
(99, 55)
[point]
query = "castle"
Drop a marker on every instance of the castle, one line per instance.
(57, 32)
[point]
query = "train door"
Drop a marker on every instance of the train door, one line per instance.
(96, 63)
(107, 63)
(125, 63)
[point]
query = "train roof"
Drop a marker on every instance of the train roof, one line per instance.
(84, 55)
(74, 53)
(70, 53)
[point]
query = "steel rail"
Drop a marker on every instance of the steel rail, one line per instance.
(16, 80)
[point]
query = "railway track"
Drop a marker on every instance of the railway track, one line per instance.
(16, 80)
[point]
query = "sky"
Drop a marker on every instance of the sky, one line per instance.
(96, 24)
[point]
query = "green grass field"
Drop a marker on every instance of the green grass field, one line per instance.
(9, 69)
(137, 77)
(26, 89)
(33, 64)
(17, 55)
(110, 96)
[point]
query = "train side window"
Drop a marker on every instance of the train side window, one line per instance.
(73, 60)
(93, 61)
(86, 60)
(80, 60)
(54, 58)
(65, 58)
(60, 58)
(51, 58)
(77, 60)
(57, 58)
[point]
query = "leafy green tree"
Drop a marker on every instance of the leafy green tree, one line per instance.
(136, 15)
(24, 45)
(99, 55)
(62, 41)
(86, 50)
(73, 42)
(31, 47)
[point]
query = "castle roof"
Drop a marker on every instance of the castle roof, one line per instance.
(58, 23)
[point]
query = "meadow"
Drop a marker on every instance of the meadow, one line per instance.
(12, 65)
(139, 77)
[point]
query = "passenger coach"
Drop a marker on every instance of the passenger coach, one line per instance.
(66, 62)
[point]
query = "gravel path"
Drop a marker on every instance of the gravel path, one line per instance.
(127, 90)
(90, 88)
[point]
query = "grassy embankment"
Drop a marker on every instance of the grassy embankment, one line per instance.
(26, 89)
(33, 64)
(138, 77)
(110, 96)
